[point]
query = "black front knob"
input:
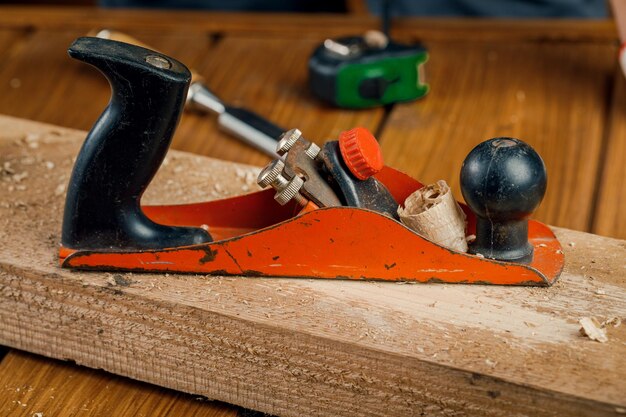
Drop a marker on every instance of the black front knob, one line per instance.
(503, 180)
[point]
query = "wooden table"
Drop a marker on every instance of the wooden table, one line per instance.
(553, 84)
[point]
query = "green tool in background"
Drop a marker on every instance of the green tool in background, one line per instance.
(368, 71)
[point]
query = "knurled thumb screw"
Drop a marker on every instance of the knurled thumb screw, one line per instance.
(291, 192)
(272, 175)
(312, 151)
(286, 190)
(287, 140)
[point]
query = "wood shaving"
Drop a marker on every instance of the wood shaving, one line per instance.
(593, 330)
(613, 321)
(433, 213)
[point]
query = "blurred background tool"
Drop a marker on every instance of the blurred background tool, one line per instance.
(243, 124)
(369, 70)
(619, 11)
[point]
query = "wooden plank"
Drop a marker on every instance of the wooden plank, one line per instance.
(32, 384)
(8, 40)
(500, 30)
(269, 76)
(552, 95)
(298, 347)
(610, 216)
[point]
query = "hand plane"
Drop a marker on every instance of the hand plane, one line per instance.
(328, 211)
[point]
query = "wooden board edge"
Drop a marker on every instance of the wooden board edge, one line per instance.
(257, 366)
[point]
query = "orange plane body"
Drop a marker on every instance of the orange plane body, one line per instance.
(257, 237)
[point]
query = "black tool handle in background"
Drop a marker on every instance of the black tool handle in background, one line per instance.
(251, 128)
(124, 150)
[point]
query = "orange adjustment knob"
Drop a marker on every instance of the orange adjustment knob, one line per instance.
(360, 152)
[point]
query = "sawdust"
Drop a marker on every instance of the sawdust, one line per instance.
(9, 174)
(59, 190)
(491, 363)
(195, 183)
(32, 140)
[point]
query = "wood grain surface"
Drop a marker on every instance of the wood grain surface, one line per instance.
(305, 347)
(294, 25)
(32, 385)
(610, 218)
(485, 90)
(69, 92)
(618, 7)
(8, 38)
